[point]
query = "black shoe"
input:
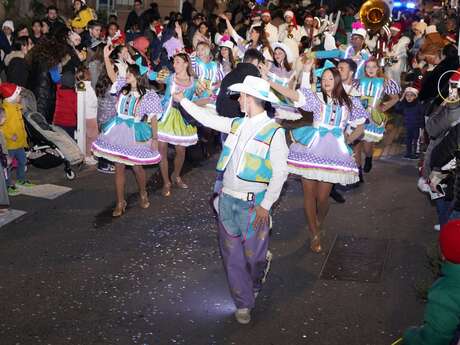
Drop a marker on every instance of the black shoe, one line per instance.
(337, 196)
(106, 169)
(367, 165)
(354, 185)
(361, 178)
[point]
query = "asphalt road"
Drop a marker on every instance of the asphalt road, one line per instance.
(70, 274)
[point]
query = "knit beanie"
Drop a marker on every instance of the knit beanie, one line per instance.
(449, 241)
(9, 92)
(8, 24)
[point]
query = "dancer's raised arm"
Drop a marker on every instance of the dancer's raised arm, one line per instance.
(204, 115)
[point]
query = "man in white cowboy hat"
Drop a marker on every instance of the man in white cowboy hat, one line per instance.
(254, 162)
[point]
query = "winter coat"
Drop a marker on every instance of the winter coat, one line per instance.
(43, 88)
(13, 128)
(146, 18)
(447, 149)
(133, 18)
(442, 312)
(442, 119)
(437, 125)
(17, 69)
(83, 17)
(429, 87)
(155, 44)
(55, 25)
(5, 45)
(412, 113)
(65, 113)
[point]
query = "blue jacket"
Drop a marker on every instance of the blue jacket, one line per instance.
(412, 113)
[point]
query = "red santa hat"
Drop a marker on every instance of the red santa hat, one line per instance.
(289, 13)
(9, 92)
(396, 26)
(412, 89)
(266, 13)
(455, 78)
(449, 241)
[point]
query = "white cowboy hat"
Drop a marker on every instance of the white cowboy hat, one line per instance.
(255, 87)
(286, 49)
(227, 44)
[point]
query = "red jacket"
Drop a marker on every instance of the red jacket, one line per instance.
(65, 112)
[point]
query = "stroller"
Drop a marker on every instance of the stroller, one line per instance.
(49, 146)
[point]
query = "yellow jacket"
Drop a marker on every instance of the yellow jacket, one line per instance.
(13, 129)
(80, 21)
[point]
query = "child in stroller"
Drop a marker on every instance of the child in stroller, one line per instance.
(49, 145)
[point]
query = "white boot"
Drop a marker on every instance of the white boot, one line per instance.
(243, 315)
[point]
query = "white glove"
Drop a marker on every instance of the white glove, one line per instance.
(435, 178)
(329, 41)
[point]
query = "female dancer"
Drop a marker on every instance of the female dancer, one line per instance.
(128, 139)
(356, 50)
(282, 73)
(225, 56)
(373, 88)
(258, 40)
(281, 70)
(173, 128)
(320, 154)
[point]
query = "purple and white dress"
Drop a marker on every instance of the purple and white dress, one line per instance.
(319, 152)
(126, 138)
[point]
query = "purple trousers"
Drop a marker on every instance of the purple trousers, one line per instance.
(242, 247)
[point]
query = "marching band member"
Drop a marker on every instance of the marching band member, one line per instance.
(397, 50)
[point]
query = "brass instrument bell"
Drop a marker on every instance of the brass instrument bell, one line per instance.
(374, 14)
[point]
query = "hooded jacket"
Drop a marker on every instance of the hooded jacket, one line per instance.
(17, 69)
(438, 124)
(442, 312)
(43, 88)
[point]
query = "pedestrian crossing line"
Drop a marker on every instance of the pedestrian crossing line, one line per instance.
(46, 191)
(10, 216)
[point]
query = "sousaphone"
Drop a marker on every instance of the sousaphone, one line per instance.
(374, 14)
